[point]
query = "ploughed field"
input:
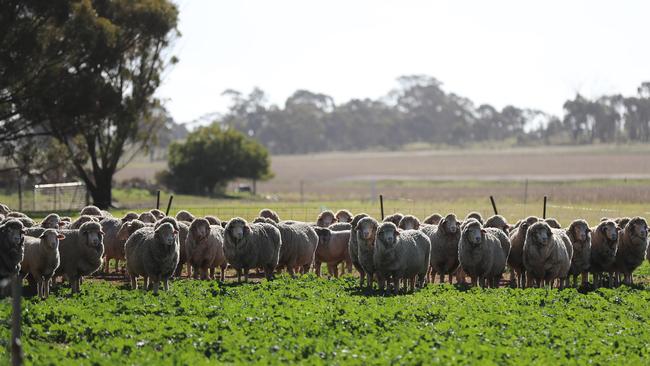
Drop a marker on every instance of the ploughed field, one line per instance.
(319, 321)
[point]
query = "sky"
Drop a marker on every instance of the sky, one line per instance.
(533, 54)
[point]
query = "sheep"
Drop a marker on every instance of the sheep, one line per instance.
(42, 258)
(2, 217)
(213, 220)
(579, 234)
(158, 214)
(515, 259)
(129, 228)
(270, 214)
(90, 211)
(76, 224)
(353, 245)
(480, 253)
(343, 215)
(26, 221)
(499, 222)
(553, 223)
(12, 239)
(113, 243)
(340, 226)
(401, 255)
(366, 230)
(4, 209)
(130, 216)
(66, 219)
(16, 214)
(433, 219)
(153, 255)
(299, 243)
(147, 217)
(444, 247)
(474, 215)
(632, 247)
(81, 253)
(183, 230)
(205, 249)
(332, 249)
(52, 221)
(497, 266)
(409, 222)
(621, 222)
(183, 215)
(252, 246)
(545, 255)
(325, 219)
(604, 245)
(394, 218)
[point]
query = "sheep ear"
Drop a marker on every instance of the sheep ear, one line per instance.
(588, 230)
(483, 231)
(60, 236)
(247, 229)
(175, 232)
(397, 233)
(61, 223)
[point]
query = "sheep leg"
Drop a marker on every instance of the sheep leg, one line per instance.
(611, 279)
(362, 276)
(246, 274)
(222, 275)
(585, 278)
(238, 275)
(212, 270)
(134, 283)
(106, 265)
(166, 284)
(145, 283)
(370, 277)
(396, 285)
(117, 265)
(513, 278)
(317, 268)
(381, 282)
(291, 272)
(474, 280)
(156, 284)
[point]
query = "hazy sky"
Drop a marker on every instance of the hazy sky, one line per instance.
(528, 53)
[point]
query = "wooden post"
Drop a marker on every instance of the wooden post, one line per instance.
(158, 200)
(544, 214)
(169, 205)
(16, 346)
(494, 205)
(381, 205)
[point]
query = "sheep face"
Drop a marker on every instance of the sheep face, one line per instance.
(14, 233)
(130, 216)
(157, 213)
(388, 234)
(474, 232)
(238, 228)
(449, 224)
(200, 229)
(166, 234)
(581, 231)
(610, 230)
(93, 234)
(541, 233)
(639, 227)
(324, 235)
(409, 222)
(51, 238)
(52, 221)
(343, 216)
(269, 214)
(325, 219)
(366, 229)
(147, 217)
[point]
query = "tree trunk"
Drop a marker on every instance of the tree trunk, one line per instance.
(102, 191)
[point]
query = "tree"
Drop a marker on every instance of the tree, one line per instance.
(211, 157)
(96, 100)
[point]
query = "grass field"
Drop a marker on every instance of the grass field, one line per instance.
(319, 321)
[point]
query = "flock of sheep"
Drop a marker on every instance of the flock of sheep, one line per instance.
(398, 252)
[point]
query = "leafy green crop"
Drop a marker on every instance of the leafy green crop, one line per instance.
(318, 321)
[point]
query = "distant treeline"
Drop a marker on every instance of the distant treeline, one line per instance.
(420, 111)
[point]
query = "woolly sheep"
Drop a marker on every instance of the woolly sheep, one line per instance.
(26, 221)
(4, 209)
(130, 216)
(81, 253)
(12, 238)
(42, 258)
(409, 222)
(545, 255)
(158, 214)
(325, 219)
(353, 245)
(270, 214)
(474, 215)
(129, 228)
(401, 255)
(515, 259)
(343, 215)
(340, 226)
(444, 247)
(433, 219)
(604, 244)
(621, 222)
(497, 221)
(299, 243)
(183, 215)
(205, 249)
(52, 221)
(183, 230)
(504, 240)
(394, 218)
(252, 246)
(213, 220)
(366, 231)
(147, 217)
(480, 254)
(553, 223)
(153, 255)
(632, 247)
(90, 211)
(580, 235)
(76, 224)
(332, 249)
(16, 214)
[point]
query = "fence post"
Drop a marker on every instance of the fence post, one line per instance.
(544, 213)
(494, 205)
(381, 206)
(16, 346)
(169, 205)
(158, 200)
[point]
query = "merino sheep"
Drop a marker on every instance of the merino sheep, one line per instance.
(252, 246)
(343, 215)
(394, 218)
(76, 224)
(299, 243)
(26, 221)
(474, 215)
(340, 226)
(113, 242)
(4, 209)
(153, 255)
(499, 222)
(515, 259)
(401, 255)
(504, 240)
(632, 247)
(480, 254)
(409, 222)
(366, 231)
(183, 230)
(42, 258)
(325, 219)
(183, 215)
(332, 249)
(90, 211)
(12, 238)
(205, 249)
(553, 223)
(130, 216)
(545, 255)
(604, 245)
(621, 222)
(433, 219)
(213, 220)
(269, 214)
(81, 253)
(52, 221)
(129, 228)
(444, 247)
(579, 234)
(147, 217)
(353, 245)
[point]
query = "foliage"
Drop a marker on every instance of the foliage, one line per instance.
(210, 157)
(319, 321)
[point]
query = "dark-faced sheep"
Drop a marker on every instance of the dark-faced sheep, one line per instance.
(621, 222)
(580, 235)
(553, 223)
(252, 246)
(604, 245)
(81, 253)
(401, 255)
(409, 222)
(515, 259)
(343, 215)
(12, 249)
(444, 247)
(325, 219)
(480, 254)
(183, 215)
(433, 219)
(269, 214)
(332, 249)
(153, 255)
(394, 218)
(499, 222)
(353, 246)
(632, 247)
(42, 258)
(545, 255)
(205, 249)
(474, 215)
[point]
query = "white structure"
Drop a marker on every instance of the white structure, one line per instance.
(60, 196)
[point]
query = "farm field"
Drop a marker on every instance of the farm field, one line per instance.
(319, 321)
